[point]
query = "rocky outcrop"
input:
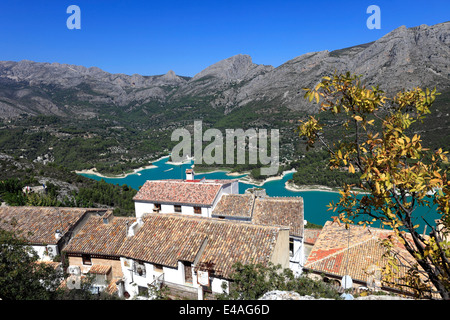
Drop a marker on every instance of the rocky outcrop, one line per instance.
(287, 295)
(291, 295)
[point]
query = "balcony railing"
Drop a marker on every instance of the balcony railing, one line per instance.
(158, 282)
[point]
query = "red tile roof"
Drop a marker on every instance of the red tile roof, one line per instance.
(234, 205)
(311, 235)
(280, 211)
(38, 224)
(179, 192)
(99, 238)
(273, 211)
(339, 252)
(167, 238)
(100, 269)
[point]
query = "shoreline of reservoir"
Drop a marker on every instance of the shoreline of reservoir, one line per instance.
(246, 179)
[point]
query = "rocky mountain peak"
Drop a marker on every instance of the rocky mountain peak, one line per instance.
(233, 68)
(170, 76)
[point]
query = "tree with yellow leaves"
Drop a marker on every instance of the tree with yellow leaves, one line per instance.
(397, 174)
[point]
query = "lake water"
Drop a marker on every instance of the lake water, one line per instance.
(315, 202)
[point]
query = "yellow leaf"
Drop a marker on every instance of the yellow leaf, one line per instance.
(351, 169)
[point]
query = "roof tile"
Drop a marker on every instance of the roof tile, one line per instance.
(38, 225)
(179, 192)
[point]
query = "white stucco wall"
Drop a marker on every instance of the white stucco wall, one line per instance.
(142, 208)
(132, 280)
(297, 261)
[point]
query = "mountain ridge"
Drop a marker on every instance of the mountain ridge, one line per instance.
(403, 58)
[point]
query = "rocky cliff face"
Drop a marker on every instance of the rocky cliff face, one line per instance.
(40, 88)
(402, 59)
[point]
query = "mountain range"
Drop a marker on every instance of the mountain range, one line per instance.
(403, 58)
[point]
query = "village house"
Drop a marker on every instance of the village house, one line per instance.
(46, 229)
(191, 255)
(355, 252)
(95, 249)
(261, 209)
(221, 199)
(190, 196)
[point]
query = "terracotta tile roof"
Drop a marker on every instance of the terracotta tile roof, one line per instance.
(234, 205)
(354, 261)
(97, 237)
(339, 252)
(311, 235)
(112, 287)
(166, 238)
(273, 211)
(178, 191)
(38, 224)
(280, 211)
(100, 269)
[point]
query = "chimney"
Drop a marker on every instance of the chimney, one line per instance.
(190, 174)
(58, 234)
(133, 229)
(107, 216)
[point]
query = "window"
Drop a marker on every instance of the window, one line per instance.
(139, 268)
(291, 247)
(158, 268)
(156, 207)
(100, 280)
(86, 259)
(197, 210)
(177, 208)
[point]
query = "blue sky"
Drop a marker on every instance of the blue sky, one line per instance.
(152, 37)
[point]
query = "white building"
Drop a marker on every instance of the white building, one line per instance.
(221, 199)
(195, 254)
(191, 197)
